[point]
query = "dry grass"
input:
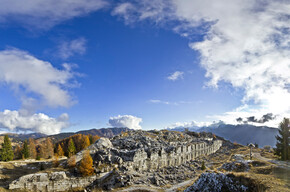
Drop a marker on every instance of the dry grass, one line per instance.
(269, 155)
(270, 183)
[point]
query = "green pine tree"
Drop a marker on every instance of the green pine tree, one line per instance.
(6, 150)
(25, 150)
(71, 148)
(283, 140)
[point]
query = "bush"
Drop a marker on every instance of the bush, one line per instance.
(42, 167)
(203, 166)
(71, 162)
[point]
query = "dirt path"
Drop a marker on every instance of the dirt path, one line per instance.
(158, 189)
(180, 185)
(283, 164)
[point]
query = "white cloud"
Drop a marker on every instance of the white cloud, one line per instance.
(157, 101)
(128, 121)
(39, 122)
(46, 13)
(194, 125)
(139, 10)
(69, 48)
(26, 73)
(176, 76)
(246, 43)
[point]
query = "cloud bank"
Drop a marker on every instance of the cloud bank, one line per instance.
(128, 121)
(39, 122)
(245, 43)
(38, 84)
(45, 14)
(26, 73)
(194, 125)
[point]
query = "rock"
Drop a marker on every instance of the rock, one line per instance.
(217, 182)
(55, 181)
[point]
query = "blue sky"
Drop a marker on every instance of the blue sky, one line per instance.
(127, 61)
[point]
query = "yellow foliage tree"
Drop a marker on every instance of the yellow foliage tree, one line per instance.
(56, 161)
(86, 165)
(32, 149)
(86, 142)
(60, 152)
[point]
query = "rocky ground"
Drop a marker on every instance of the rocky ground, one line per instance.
(229, 169)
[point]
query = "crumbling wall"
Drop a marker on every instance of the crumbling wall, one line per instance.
(56, 181)
(177, 156)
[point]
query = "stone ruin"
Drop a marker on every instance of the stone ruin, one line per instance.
(116, 160)
(150, 150)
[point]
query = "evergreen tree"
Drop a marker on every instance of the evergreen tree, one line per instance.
(25, 150)
(71, 148)
(283, 144)
(91, 139)
(60, 152)
(6, 150)
(256, 145)
(86, 165)
(32, 149)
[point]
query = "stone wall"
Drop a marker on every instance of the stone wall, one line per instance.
(55, 181)
(178, 155)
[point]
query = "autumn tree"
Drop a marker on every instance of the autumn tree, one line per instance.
(6, 150)
(48, 148)
(17, 152)
(59, 152)
(71, 148)
(55, 161)
(25, 150)
(71, 162)
(32, 149)
(40, 152)
(91, 139)
(86, 165)
(283, 144)
(86, 142)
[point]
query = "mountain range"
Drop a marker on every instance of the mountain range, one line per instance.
(103, 132)
(242, 133)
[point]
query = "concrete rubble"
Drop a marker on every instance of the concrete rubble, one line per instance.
(134, 157)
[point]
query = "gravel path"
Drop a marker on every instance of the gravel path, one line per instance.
(283, 164)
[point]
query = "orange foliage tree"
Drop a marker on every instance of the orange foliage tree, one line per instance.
(86, 142)
(17, 152)
(48, 148)
(80, 142)
(32, 148)
(60, 152)
(86, 165)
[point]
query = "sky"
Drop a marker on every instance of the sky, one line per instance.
(72, 65)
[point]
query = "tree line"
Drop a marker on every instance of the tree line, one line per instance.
(45, 149)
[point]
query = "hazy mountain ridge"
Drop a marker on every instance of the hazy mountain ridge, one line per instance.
(243, 133)
(103, 132)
